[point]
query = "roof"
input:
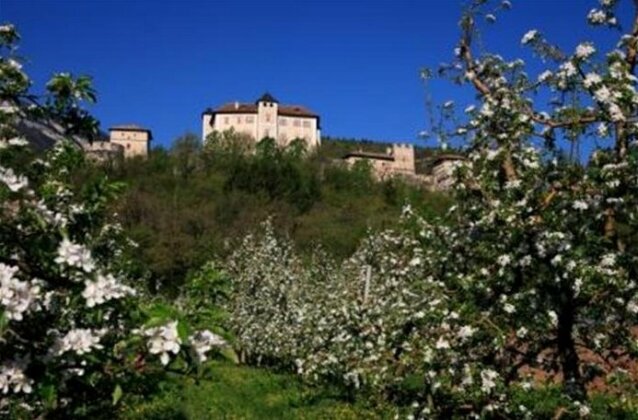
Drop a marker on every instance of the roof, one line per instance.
(132, 127)
(267, 97)
(446, 158)
(244, 108)
(251, 108)
(369, 155)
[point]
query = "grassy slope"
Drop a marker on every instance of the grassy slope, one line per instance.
(235, 392)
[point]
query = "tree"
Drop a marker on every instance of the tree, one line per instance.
(529, 282)
(537, 247)
(75, 335)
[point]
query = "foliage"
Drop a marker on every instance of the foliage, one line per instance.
(181, 221)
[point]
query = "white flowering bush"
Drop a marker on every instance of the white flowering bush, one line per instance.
(528, 286)
(75, 335)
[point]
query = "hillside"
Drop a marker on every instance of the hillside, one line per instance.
(185, 205)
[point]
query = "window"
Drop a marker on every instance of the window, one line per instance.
(296, 122)
(283, 121)
(226, 120)
(238, 120)
(249, 119)
(267, 117)
(306, 124)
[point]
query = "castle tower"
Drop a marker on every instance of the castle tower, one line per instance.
(404, 158)
(267, 114)
(135, 140)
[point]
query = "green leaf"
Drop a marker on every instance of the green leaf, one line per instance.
(229, 354)
(48, 394)
(117, 394)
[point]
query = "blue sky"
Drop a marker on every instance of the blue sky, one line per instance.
(160, 63)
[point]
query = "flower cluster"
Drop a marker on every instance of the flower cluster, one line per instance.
(80, 341)
(203, 342)
(103, 289)
(163, 340)
(17, 296)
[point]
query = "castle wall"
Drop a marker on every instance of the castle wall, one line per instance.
(291, 128)
(241, 123)
(381, 169)
(134, 143)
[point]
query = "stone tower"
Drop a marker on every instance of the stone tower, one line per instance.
(267, 114)
(403, 158)
(135, 140)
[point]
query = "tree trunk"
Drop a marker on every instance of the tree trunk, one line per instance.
(570, 362)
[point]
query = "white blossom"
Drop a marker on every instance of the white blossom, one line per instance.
(592, 79)
(75, 255)
(17, 296)
(104, 288)
(163, 340)
(568, 69)
(14, 182)
(544, 76)
(442, 344)
(79, 341)
(509, 308)
(488, 377)
(585, 50)
(12, 377)
(504, 260)
(203, 341)
(597, 17)
(521, 332)
(466, 332)
(602, 94)
(529, 36)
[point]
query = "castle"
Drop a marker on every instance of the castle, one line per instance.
(126, 140)
(398, 160)
(265, 118)
(134, 140)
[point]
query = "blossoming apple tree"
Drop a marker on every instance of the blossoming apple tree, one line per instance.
(531, 279)
(74, 337)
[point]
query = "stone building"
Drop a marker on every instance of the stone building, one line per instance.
(398, 160)
(443, 167)
(265, 118)
(134, 140)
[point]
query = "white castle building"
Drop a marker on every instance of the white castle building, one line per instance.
(265, 118)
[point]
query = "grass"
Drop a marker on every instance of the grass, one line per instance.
(238, 392)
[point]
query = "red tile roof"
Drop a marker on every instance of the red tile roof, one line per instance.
(243, 108)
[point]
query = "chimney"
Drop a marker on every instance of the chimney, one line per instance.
(236, 105)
